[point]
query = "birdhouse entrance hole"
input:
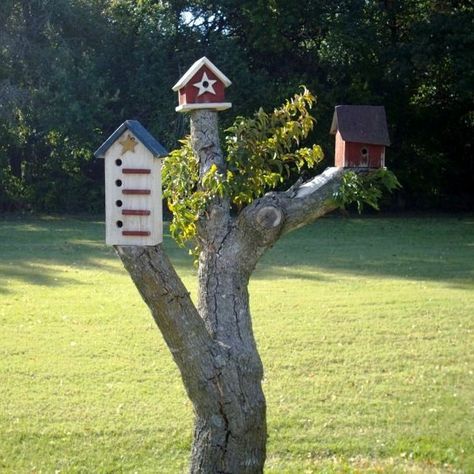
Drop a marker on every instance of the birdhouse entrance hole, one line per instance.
(364, 157)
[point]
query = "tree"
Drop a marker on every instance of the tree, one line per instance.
(53, 99)
(415, 57)
(220, 204)
(71, 68)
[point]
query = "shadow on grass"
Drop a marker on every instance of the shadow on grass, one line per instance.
(438, 249)
(39, 251)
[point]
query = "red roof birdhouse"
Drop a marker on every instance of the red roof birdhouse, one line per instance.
(202, 87)
(361, 136)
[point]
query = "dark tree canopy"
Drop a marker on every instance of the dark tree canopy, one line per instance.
(71, 71)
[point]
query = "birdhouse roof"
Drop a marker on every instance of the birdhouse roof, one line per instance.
(188, 75)
(361, 124)
(142, 134)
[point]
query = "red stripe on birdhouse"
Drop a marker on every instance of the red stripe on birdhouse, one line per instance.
(136, 191)
(137, 233)
(136, 171)
(131, 212)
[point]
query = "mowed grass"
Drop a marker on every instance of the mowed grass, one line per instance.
(365, 327)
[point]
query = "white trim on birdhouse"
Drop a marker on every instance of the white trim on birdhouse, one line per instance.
(188, 75)
(204, 105)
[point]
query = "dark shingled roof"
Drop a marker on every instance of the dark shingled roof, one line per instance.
(155, 147)
(361, 124)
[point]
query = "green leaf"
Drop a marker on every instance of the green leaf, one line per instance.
(261, 150)
(365, 188)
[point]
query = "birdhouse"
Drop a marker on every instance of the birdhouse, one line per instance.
(361, 136)
(133, 203)
(202, 87)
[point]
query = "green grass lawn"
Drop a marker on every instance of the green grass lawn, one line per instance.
(365, 327)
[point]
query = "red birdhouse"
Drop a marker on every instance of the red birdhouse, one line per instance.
(361, 136)
(202, 87)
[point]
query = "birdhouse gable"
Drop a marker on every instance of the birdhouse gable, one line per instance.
(195, 68)
(202, 87)
(361, 124)
(140, 132)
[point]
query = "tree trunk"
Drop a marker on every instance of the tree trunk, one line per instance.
(222, 372)
(213, 345)
(236, 443)
(222, 378)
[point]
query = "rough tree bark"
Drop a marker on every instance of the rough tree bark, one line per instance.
(213, 344)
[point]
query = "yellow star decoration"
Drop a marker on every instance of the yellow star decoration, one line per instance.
(128, 144)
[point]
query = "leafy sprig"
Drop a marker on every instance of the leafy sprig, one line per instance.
(365, 188)
(260, 152)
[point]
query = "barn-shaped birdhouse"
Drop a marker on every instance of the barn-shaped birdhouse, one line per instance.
(133, 203)
(202, 87)
(361, 136)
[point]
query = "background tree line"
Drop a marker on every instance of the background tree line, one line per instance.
(72, 70)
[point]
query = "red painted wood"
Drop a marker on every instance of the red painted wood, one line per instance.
(353, 154)
(137, 233)
(131, 212)
(136, 191)
(189, 93)
(136, 171)
(349, 154)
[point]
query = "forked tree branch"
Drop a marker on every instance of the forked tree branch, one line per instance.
(260, 224)
(174, 313)
(278, 213)
(214, 348)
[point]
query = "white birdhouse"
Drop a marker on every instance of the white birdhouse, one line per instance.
(133, 202)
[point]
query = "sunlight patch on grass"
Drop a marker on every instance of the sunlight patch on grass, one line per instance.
(364, 326)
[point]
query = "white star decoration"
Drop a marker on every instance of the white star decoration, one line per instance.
(206, 85)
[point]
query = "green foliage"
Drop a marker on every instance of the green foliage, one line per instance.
(14, 193)
(56, 101)
(83, 67)
(365, 188)
(261, 152)
(180, 183)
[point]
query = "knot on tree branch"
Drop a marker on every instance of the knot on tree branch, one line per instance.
(269, 217)
(262, 222)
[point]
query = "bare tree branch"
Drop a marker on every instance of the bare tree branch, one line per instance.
(312, 199)
(277, 213)
(173, 311)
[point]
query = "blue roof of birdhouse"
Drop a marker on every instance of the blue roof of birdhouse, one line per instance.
(142, 134)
